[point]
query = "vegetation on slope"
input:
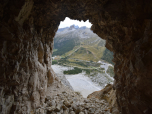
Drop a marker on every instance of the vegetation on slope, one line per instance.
(88, 53)
(82, 45)
(54, 62)
(107, 56)
(64, 47)
(110, 71)
(73, 71)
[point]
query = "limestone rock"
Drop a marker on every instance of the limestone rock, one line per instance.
(76, 107)
(27, 28)
(109, 95)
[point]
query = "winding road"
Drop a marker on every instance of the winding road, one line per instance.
(105, 66)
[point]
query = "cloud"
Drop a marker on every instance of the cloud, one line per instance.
(68, 22)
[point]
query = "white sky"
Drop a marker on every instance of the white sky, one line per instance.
(68, 22)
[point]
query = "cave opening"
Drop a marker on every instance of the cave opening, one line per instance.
(27, 29)
(80, 58)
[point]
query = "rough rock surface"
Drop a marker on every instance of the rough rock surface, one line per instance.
(109, 95)
(68, 102)
(60, 99)
(27, 28)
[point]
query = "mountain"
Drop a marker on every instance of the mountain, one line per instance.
(76, 26)
(83, 27)
(72, 26)
(62, 29)
(80, 43)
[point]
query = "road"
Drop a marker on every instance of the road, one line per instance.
(105, 66)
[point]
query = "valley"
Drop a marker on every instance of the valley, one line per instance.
(36, 36)
(81, 43)
(80, 57)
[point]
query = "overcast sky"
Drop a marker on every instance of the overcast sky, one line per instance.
(68, 22)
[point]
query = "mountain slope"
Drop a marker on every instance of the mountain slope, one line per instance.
(80, 43)
(107, 56)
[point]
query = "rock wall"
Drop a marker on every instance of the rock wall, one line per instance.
(25, 58)
(27, 28)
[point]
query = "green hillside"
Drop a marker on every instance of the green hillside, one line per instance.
(107, 56)
(64, 47)
(81, 45)
(88, 53)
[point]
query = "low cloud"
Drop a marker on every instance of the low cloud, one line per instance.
(68, 22)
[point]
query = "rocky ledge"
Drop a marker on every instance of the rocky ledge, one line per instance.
(109, 95)
(73, 103)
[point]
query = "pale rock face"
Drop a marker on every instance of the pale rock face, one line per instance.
(27, 29)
